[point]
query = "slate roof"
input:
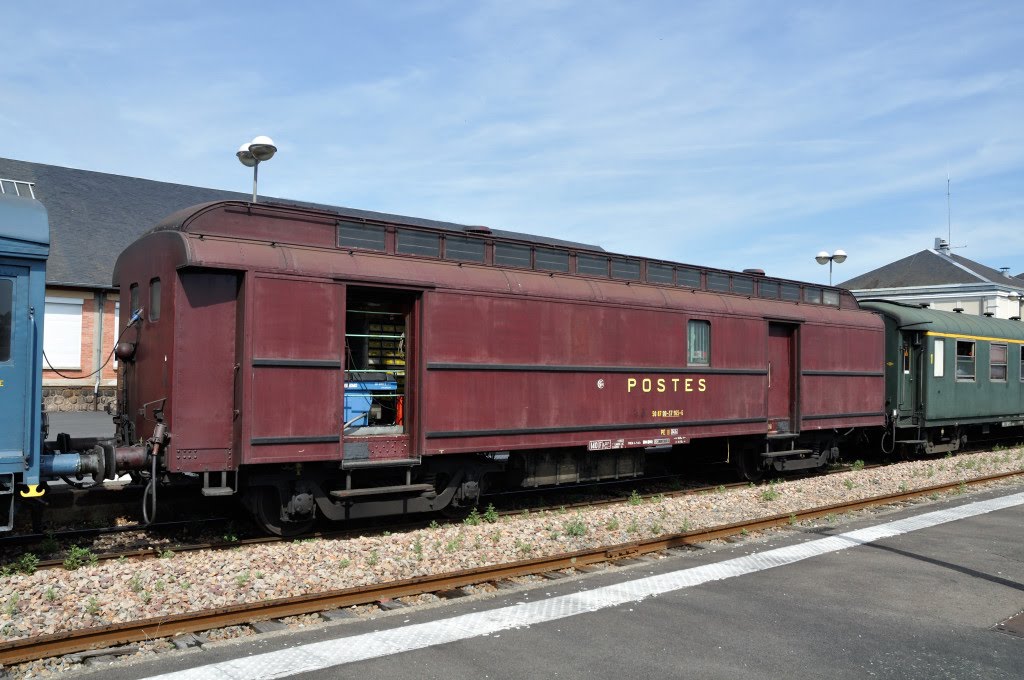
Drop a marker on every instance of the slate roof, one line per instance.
(931, 268)
(95, 215)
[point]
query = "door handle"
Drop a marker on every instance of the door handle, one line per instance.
(769, 374)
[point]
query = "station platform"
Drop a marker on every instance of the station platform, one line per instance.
(913, 593)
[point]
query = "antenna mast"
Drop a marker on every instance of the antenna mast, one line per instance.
(949, 220)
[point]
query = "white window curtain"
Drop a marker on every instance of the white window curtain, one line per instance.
(62, 333)
(117, 326)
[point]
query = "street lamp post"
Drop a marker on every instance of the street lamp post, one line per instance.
(250, 155)
(839, 257)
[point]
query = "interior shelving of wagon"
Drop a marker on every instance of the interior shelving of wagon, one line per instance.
(375, 362)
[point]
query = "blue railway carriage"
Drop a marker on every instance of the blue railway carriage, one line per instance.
(24, 246)
(949, 377)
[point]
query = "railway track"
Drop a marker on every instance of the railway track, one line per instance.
(58, 644)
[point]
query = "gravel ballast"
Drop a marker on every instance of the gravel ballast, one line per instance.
(118, 591)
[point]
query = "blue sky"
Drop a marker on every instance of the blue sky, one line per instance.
(730, 134)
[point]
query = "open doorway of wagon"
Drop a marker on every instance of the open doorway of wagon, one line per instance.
(781, 387)
(379, 325)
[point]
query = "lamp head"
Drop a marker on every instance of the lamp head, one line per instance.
(839, 256)
(822, 257)
(245, 157)
(262, 148)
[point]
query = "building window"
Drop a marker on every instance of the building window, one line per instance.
(6, 318)
(997, 362)
(117, 330)
(965, 360)
(62, 333)
(154, 299)
(552, 260)
(359, 235)
(698, 343)
(940, 358)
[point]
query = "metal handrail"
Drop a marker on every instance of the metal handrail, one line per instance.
(16, 182)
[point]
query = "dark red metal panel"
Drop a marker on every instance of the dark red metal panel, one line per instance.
(205, 372)
(296, 335)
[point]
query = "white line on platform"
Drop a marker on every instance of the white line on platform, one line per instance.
(339, 651)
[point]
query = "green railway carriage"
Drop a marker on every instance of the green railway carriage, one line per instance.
(949, 376)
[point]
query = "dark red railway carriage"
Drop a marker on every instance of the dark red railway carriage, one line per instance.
(322, 363)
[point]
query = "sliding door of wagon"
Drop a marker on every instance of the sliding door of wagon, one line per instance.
(295, 391)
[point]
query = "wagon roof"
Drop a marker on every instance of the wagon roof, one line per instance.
(179, 221)
(950, 323)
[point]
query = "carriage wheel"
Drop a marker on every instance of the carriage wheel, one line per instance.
(265, 502)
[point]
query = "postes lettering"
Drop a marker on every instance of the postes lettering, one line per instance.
(661, 385)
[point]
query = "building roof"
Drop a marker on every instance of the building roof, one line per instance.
(95, 215)
(930, 268)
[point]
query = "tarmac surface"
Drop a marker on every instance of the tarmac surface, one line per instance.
(920, 604)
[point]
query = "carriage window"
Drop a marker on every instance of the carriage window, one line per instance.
(997, 362)
(812, 295)
(626, 269)
(791, 292)
(940, 358)
(830, 297)
(154, 300)
(965, 360)
(511, 255)
(359, 235)
(594, 265)
(411, 242)
(768, 289)
(689, 278)
(463, 248)
(659, 273)
(6, 317)
(1022, 363)
(718, 281)
(552, 260)
(743, 285)
(133, 300)
(698, 343)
